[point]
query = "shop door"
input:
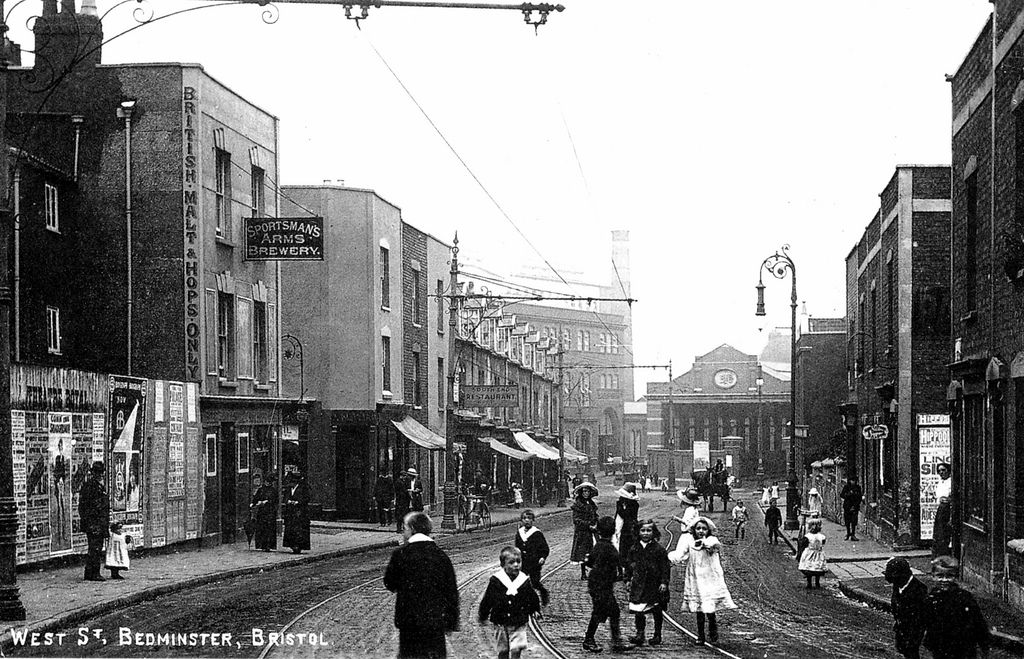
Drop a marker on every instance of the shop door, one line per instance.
(212, 470)
(353, 488)
(228, 467)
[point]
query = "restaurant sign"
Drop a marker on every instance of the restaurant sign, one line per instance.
(494, 395)
(284, 239)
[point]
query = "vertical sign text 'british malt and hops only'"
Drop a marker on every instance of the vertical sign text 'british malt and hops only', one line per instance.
(190, 205)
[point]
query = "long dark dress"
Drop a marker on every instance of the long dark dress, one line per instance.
(264, 512)
(296, 517)
(627, 510)
(584, 515)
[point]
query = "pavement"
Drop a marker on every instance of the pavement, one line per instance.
(57, 598)
(858, 567)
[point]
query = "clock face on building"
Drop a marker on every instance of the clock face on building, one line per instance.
(725, 379)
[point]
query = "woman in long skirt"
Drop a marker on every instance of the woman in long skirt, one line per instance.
(704, 591)
(264, 512)
(296, 514)
(584, 517)
(627, 510)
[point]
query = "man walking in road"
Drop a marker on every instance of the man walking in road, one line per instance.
(851, 495)
(94, 512)
(422, 576)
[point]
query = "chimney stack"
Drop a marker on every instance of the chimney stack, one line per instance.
(69, 42)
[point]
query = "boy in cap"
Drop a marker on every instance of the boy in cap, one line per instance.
(605, 570)
(955, 624)
(909, 607)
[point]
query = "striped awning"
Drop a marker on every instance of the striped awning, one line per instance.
(505, 450)
(420, 434)
(530, 445)
(568, 456)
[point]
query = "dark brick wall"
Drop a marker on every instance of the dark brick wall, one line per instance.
(414, 256)
(931, 183)
(972, 71)
(821, 388)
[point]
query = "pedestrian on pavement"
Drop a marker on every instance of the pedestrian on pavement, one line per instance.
(403, 500)
(117, 551)
(740, 515)
(775, 490)
(422, 576)
(773, 521)
(508, 602)
(811, 553)
(605, 570)
(942, 530)
(955, 625)
(534, 549)
(296, 514)
(766, 496)
(852, 495)
(384, 498)
(704, 589)
(647, 572)
(94, 513)
(689, 499)
(264, 513)
(627, 510)
(415, 486)
(584, 518)
(517, 495)
(909, 607)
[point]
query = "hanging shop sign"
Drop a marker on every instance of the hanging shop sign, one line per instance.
(284, 239)
(875, 432)
(494, 395)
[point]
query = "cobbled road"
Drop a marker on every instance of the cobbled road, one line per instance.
(353, 612)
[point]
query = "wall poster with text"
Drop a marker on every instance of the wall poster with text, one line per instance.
(933, 449)
(127, 414)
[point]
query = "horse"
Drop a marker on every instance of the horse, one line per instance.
(710, 484)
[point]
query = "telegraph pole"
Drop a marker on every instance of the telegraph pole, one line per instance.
(671, 438)
(561, 427)
(450, 461)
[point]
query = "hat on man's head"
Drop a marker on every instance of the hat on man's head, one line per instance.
(945, 566)
(98, 467)
(689, 496)
(412, 471)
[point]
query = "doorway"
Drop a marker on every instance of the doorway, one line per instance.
(228, 467)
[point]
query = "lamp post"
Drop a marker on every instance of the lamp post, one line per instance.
(671, 435)
(778, 264)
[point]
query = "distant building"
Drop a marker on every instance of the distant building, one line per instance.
(821, 389)
(635, 431)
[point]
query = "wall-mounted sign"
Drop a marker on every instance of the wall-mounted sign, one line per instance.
(284, 239)
(494, 395)
(725, 379)
(875, 432)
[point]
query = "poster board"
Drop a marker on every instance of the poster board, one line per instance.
(933, 449)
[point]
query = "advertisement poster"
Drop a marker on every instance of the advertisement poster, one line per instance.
(59, 449)
(127, 414)
(933, 442)
(701, 455)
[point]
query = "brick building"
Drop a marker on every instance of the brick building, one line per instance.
(151, 167)
(719, 402)
(820, 388)
(986, 352)
(898, 304)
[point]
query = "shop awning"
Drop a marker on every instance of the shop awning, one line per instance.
(530, 445)
(505, 450)
(568, 456)
(573, 451)
(420, 434)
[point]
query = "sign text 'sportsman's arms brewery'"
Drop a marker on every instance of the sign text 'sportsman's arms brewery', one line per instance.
(284, 239)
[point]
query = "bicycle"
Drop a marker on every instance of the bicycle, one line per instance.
(474, 513)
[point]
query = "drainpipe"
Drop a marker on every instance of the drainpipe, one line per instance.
(125, 112)
(17, 263)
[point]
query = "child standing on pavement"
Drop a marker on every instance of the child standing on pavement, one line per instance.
(739, 518)
(773, 522)
(534, 547)
(508, 602)
(605, 570)
(647, 575)
(704, 591)
(117, 551)
(811, 553)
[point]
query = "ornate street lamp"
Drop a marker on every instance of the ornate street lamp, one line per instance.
(778, 264)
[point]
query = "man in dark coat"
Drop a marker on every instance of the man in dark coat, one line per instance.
(402, 500)
(955, 624)
(295, 511)
(852, 495)
(422, 576)
(909, 607)
(264, 512)
(94, 513)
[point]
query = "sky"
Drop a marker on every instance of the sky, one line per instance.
(715, 132)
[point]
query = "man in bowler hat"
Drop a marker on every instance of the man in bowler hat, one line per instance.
(94, 513)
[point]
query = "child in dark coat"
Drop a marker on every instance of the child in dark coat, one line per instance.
(773, 522)
(605, 570)
(508, 602)
(531, 542)
(955, 624)
(648, 572)
(909, 607)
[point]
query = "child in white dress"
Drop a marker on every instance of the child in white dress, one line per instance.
(704, 590)
(812, 553)
(117, 551)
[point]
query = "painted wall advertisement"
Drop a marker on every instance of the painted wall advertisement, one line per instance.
(933, 443)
